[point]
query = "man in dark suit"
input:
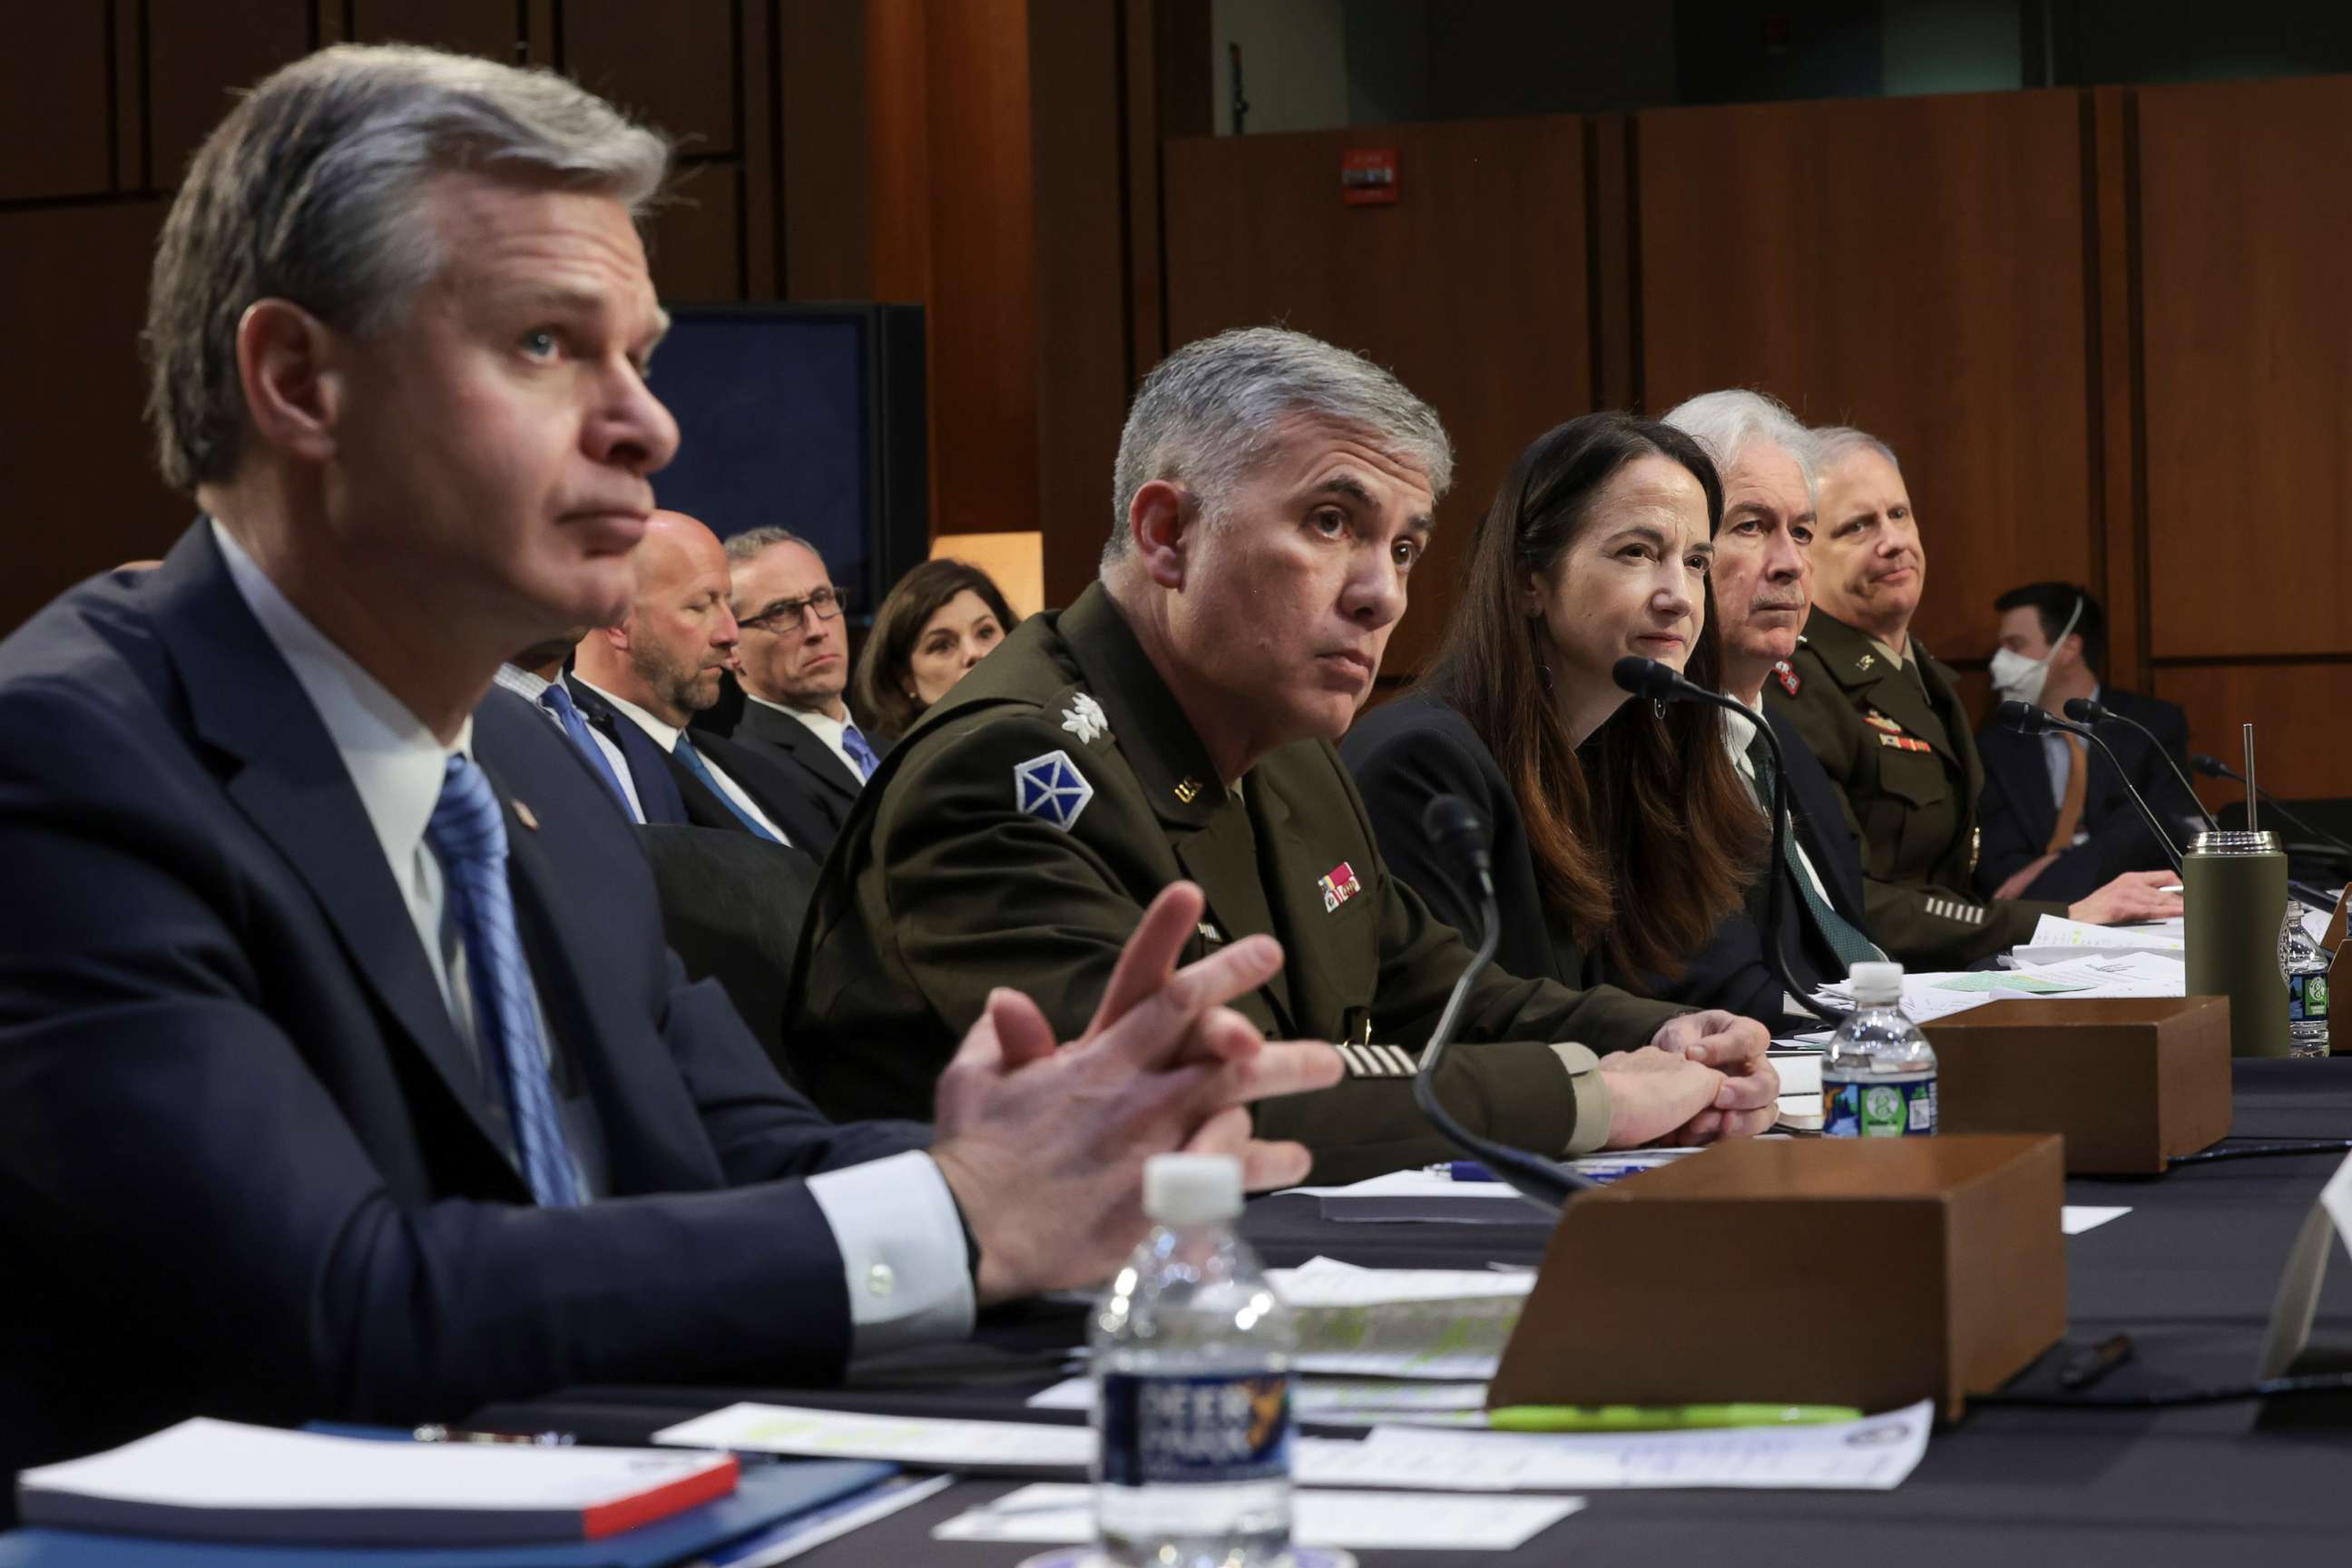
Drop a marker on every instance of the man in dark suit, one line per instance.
(793, 665)
(2058, 821)
(333, 1006)
(1763, 578)
(661, 665)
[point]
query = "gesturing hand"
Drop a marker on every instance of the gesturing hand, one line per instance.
(1043, 1147)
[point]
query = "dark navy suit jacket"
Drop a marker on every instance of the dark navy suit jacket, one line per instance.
(825, 782)
(661, 776)
(2019, 809)
(1417, 747)
(246, 1165)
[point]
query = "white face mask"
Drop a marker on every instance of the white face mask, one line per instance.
(2018, 677)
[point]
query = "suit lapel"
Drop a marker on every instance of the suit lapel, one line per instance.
(764, 726)
(287, 779)
(655, 773)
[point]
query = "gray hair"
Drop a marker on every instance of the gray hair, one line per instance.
(748, 545)
(310, 191)
(1834, 444)
(1727, 423)
(1206, 415)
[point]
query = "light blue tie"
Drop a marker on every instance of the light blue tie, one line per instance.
(685, 752)
(859, 752)
(469, 836)
(558, 701)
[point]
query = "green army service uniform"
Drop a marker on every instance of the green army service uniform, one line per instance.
(1014, 838)
(1896, 741)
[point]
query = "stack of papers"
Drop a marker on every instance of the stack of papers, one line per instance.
(222, 1480)
(1373, 1520)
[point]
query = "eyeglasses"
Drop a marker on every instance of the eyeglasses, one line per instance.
(788, 618)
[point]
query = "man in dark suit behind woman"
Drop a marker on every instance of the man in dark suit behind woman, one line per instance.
(1622, 835)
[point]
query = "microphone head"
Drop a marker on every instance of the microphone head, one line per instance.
(2023, 717)
(1453, 825)
(1645, 677)
(2082, 711)
(2205, 762)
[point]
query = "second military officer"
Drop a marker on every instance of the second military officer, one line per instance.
(1272, 496)
(1884, 718)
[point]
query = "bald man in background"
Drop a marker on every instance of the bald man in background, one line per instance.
(661, 666)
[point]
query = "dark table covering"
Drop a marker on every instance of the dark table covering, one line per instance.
(2190, 1273)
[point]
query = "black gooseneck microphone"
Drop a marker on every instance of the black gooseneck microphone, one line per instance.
(2088, 710)
(1664, 683)
(2215, 768)
(2027, 720)
(1451, 824)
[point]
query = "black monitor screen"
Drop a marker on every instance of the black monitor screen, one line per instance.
(774, 428)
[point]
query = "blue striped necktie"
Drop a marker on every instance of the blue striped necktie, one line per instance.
(859, 751)
(469, 836)
(685, 752)
(558, 701)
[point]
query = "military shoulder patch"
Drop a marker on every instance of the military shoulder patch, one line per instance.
(1050, 787)
(1787, 677)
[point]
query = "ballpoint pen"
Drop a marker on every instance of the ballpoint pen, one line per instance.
(1662, 1417)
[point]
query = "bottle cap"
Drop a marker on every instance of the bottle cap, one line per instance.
(1876, 984)
(1192, 1189)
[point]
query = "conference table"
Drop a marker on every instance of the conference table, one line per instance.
(2191, 1274)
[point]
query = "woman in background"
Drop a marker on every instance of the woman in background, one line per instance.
(1623, 838)
(936, 623)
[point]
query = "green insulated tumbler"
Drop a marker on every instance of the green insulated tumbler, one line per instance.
(2235, 886)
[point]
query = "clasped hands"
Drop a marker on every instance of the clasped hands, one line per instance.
(1043, 1144)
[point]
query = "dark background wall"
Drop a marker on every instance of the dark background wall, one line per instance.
(2103, 322)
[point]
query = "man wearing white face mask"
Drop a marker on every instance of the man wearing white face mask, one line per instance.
(2058, 821)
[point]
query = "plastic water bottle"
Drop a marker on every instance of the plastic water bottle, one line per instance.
(2304, 965)
(1879, 1080)
(1192, 1361)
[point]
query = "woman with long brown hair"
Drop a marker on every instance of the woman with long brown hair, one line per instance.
(1623, 838)
(935, 624)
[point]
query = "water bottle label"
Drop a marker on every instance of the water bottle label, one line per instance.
(1859, 1109)
(2306, 998)
(1194, 1430)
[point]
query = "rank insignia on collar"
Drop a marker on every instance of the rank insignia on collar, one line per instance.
(1338, 886)
(1085, 718)
(1878, 720)
(1865, 661)
(1787, 676)
(1188, 790)
(1050, 787)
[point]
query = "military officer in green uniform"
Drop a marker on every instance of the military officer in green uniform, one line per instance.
(1884, 718)
(1272, 495)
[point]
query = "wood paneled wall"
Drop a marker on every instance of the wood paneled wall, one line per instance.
(2105, 329)
(829, 150)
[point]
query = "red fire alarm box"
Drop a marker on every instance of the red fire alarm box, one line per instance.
(1368, 177)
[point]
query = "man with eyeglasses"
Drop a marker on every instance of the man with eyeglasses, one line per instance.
(794, 664)
(661, 666)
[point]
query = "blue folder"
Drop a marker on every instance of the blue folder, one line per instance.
(766, 1494)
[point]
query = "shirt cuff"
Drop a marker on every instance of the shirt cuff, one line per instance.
(1592, 1091)
(903, 1254)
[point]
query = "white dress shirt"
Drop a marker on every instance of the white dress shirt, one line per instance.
(528, 687)
(666, 736)
(1737, 733)
(896, 1225)
(824, 726)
